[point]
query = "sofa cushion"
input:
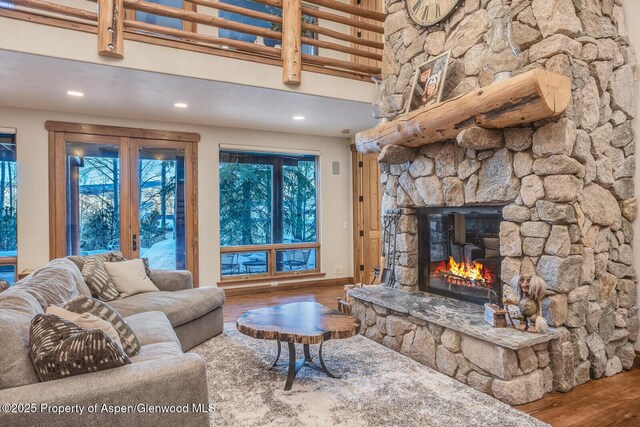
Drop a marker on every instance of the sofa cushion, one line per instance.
(49, 286)
(157, 351)
(128, 338)
(16, 312)
(98, 279)
(179, 306)
(152, 327)
(60, 348)
(130, 277)
(66, 263)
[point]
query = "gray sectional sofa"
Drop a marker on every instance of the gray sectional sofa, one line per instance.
(167, 323)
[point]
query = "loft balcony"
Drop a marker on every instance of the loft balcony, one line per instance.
(317, 47)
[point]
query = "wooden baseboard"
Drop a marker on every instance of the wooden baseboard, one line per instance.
(287, 286)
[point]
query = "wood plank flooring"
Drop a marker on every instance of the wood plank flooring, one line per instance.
(238, 304)
(611, 401)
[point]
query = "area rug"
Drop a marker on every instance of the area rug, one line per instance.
(378, 387)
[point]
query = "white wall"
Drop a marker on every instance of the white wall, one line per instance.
(26, 37)
(632, 12)
(33, 198)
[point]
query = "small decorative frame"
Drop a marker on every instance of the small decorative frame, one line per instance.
(428, 82)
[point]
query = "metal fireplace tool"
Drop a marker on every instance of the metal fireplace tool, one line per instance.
(389, 236)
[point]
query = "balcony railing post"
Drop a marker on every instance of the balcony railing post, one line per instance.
(110, 28)
(291, 41)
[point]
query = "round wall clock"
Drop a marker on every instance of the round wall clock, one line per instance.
(430, 12)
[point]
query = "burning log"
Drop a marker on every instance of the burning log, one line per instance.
(465, 274)
(456, 279)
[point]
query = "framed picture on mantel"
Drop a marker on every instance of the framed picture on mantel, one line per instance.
(428, 82)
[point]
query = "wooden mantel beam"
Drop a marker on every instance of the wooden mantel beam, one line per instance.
(528, 97)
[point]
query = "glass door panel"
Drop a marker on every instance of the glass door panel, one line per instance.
(93, 179)
(162, 202)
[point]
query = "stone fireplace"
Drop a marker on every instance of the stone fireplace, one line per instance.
(566, 190)
(459, 252)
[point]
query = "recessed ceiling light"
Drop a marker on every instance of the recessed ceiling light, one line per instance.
(298, 117)
(180, 105)
(74, 93)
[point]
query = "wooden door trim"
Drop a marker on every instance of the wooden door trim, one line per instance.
(358, 219)
(125, 194)
(135, 195)
(93, 129)
(193, 259)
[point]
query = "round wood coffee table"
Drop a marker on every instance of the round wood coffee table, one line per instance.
(303, 323)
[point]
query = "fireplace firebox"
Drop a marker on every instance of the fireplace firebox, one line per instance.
(459, 252)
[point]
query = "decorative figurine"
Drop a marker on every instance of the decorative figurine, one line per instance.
(529, 290)
(503, 58)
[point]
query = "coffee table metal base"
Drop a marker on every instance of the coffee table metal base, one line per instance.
(295, 366)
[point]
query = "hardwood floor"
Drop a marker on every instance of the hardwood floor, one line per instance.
(611, 401)
(606, 402)
(238, 304)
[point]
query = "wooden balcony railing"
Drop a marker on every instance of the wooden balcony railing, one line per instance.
(347, 38)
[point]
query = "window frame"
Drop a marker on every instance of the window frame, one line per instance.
(12, 260)
(272, 248)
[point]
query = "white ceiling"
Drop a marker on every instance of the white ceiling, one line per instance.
(37, 82)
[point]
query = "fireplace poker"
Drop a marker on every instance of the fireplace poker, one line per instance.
(384, 274)
(394, 219)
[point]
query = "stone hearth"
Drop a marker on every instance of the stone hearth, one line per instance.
(451, 336)
(567, 185)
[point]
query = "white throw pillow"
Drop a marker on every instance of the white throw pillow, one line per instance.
(86, 321)
(130, 277)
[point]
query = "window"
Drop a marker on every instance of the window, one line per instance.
(268, 214)
(8, 206)
(252, 5)
(165, 21)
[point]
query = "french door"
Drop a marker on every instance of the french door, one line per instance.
(135, 195)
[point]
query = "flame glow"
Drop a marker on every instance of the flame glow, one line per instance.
(462, 273)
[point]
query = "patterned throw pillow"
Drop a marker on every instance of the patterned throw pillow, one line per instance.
(114, 257)
(4, 285)
(59, 348)
(98, 279)
(128, 338)
(104, 256)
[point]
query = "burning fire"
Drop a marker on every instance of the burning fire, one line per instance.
(462, 273)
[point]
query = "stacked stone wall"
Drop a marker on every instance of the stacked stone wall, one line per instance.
(567, 182)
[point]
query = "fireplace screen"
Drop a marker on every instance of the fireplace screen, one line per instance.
(459, 252)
